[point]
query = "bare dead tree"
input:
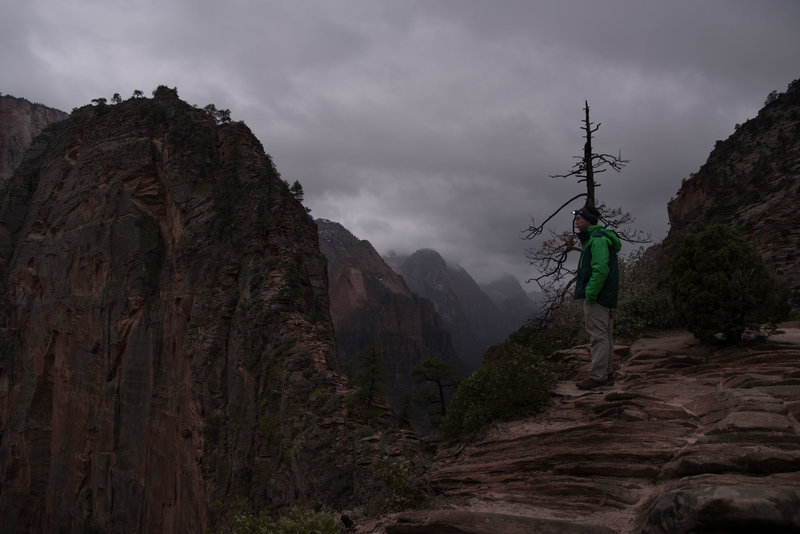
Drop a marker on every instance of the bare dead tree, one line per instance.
(551, 257)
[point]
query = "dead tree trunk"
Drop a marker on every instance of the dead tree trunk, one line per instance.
(550, 258)
(587, 156)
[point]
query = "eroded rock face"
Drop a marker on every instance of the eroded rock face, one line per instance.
(751, 181)
(370, 301)
(20, 122)
(165, 340)
(691, 438)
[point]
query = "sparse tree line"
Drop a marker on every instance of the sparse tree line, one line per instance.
(117, 99)
(221, 116)
(369, 372)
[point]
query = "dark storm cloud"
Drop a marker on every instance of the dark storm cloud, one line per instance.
(432, 123)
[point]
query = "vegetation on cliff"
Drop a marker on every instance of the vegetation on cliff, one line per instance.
(164, 317)
(750, 182)
(517, 383)
(189, 329)
(719, 285)
(242, 519)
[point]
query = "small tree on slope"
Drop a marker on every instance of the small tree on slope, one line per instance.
(720, 285)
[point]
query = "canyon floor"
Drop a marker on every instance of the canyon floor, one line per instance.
(690, 438)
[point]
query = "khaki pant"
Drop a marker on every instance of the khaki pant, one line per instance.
(599, 325)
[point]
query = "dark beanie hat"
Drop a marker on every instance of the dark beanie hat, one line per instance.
(589, 213)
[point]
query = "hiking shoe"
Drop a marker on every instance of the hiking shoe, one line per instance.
(591, 383)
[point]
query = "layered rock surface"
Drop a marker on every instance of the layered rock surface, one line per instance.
(166, 346)
(691, 438)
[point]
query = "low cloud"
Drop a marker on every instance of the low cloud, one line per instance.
(433, 124)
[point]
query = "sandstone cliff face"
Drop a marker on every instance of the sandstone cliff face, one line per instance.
(691, 438)
(751, 182)
(370, 301)
(20, 122)
(165, 340)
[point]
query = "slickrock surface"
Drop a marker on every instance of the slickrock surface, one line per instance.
(691, 438)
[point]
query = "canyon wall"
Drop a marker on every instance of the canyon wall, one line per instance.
(21, 121)
(166, 346)
(751, 181)
(369, 301)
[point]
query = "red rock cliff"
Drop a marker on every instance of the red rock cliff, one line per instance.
(751, 182)
(165, 339)
(21, 121)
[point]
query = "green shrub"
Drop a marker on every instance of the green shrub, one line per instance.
(566, 324)
(516, 383)
(304, 522)
(299, 521)
(719, 285)
(643, 295)
(406, 489)
(369, 396)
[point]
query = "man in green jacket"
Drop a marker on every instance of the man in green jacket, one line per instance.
(597, 283)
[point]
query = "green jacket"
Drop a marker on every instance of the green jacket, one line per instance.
(598, 269)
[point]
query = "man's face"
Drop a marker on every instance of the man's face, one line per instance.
(581, 223)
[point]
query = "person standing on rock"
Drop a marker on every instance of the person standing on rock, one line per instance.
(597, 284)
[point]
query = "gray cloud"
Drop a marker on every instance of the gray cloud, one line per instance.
(432, 124)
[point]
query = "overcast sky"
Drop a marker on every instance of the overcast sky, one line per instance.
(432, 123)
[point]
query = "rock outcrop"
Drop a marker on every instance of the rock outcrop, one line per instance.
(691, 438)
(369, 301)
(21, 121)
(166, 346)
(751, 181)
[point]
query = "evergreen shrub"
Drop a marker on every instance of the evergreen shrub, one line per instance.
(644, 300)
(405, 487)
(245, 521)
(719, 286)
(516, 383)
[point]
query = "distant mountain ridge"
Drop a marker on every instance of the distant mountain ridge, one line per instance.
(369, 301)
(512, 300)
(476, 320)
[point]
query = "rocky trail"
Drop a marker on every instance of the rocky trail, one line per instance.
(690, 438)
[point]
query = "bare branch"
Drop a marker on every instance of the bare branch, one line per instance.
(551, 258)
(533, 231)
